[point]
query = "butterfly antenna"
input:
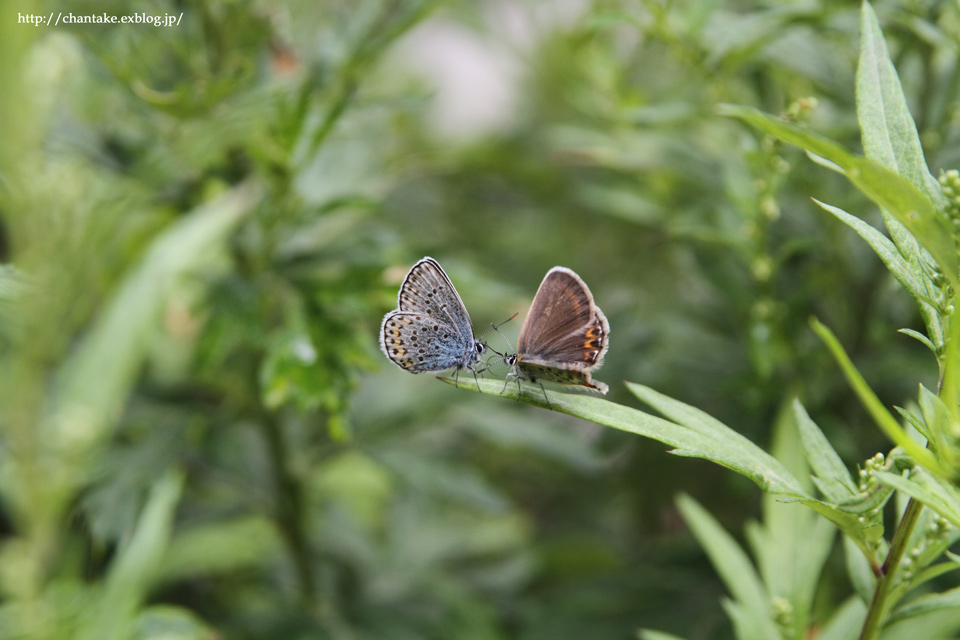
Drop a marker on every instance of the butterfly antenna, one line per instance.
(496, 327)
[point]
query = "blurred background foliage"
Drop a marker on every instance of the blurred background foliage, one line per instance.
(203, 225)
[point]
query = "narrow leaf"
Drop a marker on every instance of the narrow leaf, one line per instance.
(888, 131)
(928, 604)
(916, 335)
(887, 423)
(133, 571)
(649, 634)
(859, 571)
(718, 444)
(95, 380)
(725, 440)
(834, 477)
(846, 621)
(884, 248)
(733, 565)
(891, 191)
(863, 535)
(942, 497)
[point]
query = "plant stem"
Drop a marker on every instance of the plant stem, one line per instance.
(289, 507)
(878, 605)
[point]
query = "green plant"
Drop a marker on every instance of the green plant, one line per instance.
(791, 546)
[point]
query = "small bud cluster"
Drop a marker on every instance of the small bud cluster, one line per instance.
(800, 109)
(782, 612)
(868, 481)
(950, 184)
(936, 532)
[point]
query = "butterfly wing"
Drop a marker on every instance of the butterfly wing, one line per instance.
(417, 343)
(428, 291)
(564, 327)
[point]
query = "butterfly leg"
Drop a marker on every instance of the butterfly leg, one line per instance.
(506, 381)
(549, 405)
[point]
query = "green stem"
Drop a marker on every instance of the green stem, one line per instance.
(878, 604)
(289, 507)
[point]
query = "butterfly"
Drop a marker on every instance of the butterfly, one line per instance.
(430, 330)
(564, 336)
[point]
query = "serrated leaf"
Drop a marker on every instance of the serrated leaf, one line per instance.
(834, 477)
(932, 572)
(936, 417)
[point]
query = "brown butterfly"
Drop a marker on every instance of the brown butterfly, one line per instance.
(564, 336)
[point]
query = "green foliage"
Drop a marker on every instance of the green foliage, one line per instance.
(894, 176)
(202, 227)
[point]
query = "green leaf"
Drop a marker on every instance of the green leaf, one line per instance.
(95, 381)
(647, 634)
(171, 623)
(885, 250)
(835, 481)
(888, 131)
(927, 604)
(696, 434)
(846, 621)
(859, 571)
(940, 496)
(887, 423)
(914, 421)
(936, 418)
(934, 571)
(916, 335)
(507, 429)
(723, 442)
(863, 532)
(909, 273)
(136, 566)
(891, 191)
(13, 283)
(441, 480)
(948, 434)
(204, 550)
(735, 568)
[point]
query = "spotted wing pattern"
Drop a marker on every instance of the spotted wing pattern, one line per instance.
(431, 330)
(428, 290)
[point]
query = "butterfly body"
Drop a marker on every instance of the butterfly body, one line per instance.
(431, 329)
(564, 336)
